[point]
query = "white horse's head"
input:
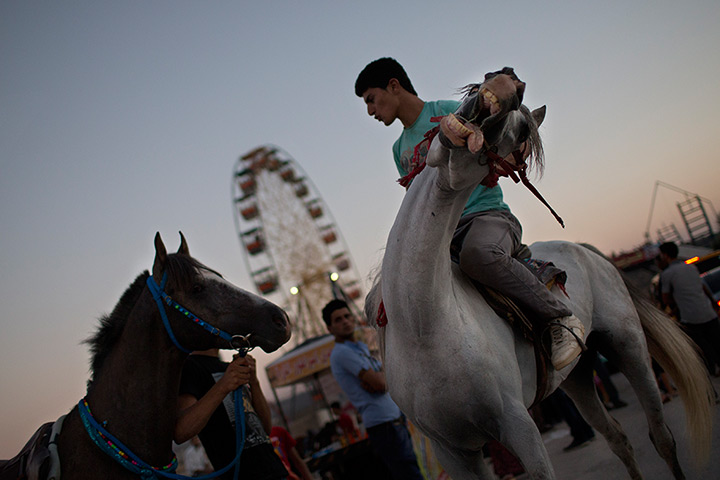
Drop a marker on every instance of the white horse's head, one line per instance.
(490, 123)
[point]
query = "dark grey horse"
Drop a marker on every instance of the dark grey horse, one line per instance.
(137, 363)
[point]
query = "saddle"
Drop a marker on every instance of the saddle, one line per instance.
(508, 309)
(36, 460)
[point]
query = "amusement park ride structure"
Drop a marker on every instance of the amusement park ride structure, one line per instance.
(292, 246)
(693, 213)
(693, 210)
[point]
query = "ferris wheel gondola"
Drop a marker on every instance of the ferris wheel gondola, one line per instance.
(291, 244)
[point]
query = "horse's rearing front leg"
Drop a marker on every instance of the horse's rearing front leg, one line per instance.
(462, 168)
(459, 466)
(520, 435)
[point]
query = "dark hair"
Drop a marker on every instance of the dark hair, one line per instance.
(335, 405)
(332, 305)
(377, 74)
(670, 249)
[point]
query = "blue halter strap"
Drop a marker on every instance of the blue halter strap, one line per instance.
(238, 342)
(121, 454)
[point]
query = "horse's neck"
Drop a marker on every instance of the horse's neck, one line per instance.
(137, 390)
(417, 257)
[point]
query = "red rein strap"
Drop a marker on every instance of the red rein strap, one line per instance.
(521, 167)
(415, 160)
(491, 179)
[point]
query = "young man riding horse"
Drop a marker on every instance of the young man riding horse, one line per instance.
(488, 236)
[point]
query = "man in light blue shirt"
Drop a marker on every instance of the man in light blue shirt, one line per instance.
(360, 376)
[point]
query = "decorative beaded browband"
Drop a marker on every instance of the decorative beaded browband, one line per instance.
(241, 343)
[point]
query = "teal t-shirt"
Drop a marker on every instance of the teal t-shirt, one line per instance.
(482, 198)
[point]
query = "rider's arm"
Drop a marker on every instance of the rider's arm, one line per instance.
(372, 381)
(194, 413)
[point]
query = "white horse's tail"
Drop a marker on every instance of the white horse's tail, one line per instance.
(678, 355)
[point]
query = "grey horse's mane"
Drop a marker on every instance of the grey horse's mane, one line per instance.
(112, 325)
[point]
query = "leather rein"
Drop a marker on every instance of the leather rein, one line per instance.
(491, 180)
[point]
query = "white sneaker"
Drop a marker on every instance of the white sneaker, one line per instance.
(565, 346)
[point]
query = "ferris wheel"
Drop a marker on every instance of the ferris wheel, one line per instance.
(292, 247)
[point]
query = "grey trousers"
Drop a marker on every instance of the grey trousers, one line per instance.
(487, 243)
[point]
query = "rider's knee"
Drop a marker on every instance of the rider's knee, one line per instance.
(483, 261)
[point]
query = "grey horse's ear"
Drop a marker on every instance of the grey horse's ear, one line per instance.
(183, 250)
(160, 258)
(539, 114)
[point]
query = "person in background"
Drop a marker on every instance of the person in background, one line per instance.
(581, 432)
(284, 445)
(606, 384)
(361, 377)
(692, 303)
(345, 422)
(206, 407)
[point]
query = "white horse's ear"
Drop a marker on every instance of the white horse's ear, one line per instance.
(160, 258)
(539, 114)
(183, 250)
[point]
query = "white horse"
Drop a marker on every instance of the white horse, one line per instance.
(463, 375)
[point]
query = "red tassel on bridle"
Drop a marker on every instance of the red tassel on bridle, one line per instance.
(521, 167)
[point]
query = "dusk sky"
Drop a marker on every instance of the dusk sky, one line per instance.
(121, 119)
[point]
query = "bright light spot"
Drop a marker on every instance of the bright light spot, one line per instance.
(692, 260)
(294, 290)
(334, 276)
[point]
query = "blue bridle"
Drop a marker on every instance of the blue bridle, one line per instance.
(241, 343)
(119, 452)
